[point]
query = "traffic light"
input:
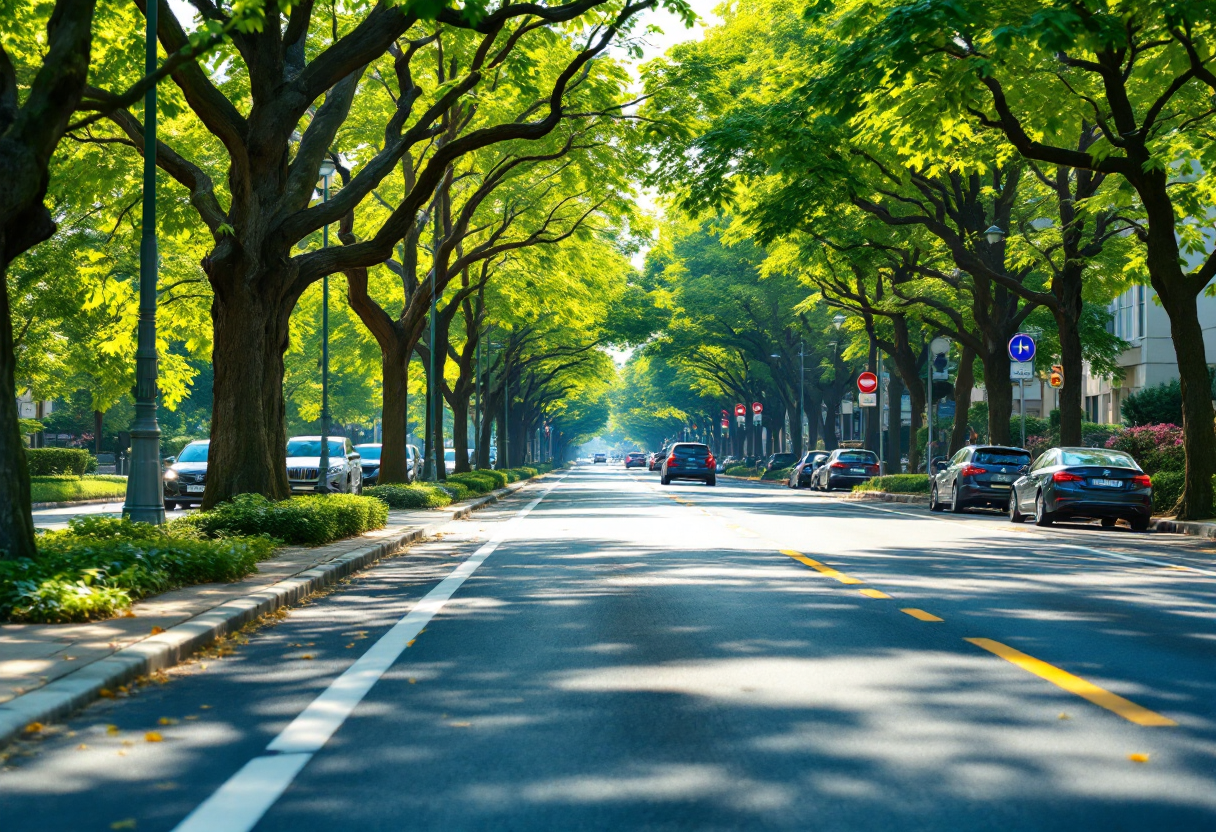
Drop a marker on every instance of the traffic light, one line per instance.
(1056, 379)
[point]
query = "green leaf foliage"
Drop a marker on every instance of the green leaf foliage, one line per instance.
(311, 520)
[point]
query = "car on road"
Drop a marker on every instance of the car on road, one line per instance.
(599, 458)
(845, 468)
(777, 461)
(369, 454)
(186, 476)
(689, 461)
(345, 472)
(636, 459)
(725, 462)
(978, 475)
(656, 459)
(1083, 483)
(804, 469)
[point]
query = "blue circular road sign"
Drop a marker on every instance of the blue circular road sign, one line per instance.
(1021, 347)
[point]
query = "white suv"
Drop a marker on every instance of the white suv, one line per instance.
(304, 458)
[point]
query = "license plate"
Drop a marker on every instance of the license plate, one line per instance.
(1002, 478)
(195, 489)
(1101, 483)
(999, 485)
(857, 470)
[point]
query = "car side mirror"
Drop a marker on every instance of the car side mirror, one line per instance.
(1023, 469)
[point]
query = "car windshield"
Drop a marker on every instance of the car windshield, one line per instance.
(371, 452)
(691, 450)
(995, 456)
(783, 457)
(194, 453)
(1097, 456)
(312, 447)
(857, 456)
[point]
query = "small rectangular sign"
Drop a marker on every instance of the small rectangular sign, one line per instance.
(1021, 371)
(868, 399)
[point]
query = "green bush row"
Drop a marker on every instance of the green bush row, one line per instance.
(781, 474)
(415, 495)
(897, 484)
(99, 565)
(42, 461)
(59, 488)
(309, 520)
(741, 471)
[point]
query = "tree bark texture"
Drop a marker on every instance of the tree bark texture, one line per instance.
(964, 382)
(895, 394)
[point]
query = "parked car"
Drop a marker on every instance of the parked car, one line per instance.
(845, 468)
(186, 476)
(656, 459)
(977, 476)
(413, 462)
(637, 459)
(1083, 483)
(776, 462)
(369, 454)
(304, 457)
(689, 461)
(725, 462)
(599, 458)
(804, 469)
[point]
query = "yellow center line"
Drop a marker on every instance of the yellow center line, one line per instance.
(819, 567)
(873, 593)
(1074, 684)
(920, 615)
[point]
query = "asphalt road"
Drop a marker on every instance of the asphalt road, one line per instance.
(628, 656)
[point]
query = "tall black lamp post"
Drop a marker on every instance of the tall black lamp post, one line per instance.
(326, 170)
(145, 494)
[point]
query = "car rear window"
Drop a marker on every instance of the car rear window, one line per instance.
(993, 456)
(858, 456)
(1097, 456)
(691, 450)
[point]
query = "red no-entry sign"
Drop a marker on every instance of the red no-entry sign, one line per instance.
(757, 407)
(867, 382)
(740, 409)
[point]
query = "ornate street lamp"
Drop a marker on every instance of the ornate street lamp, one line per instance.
(994, 234)
(145, 500)
(326, 170)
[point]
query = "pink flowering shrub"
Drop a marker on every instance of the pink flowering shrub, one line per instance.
(1155, 447)
(1037, 444)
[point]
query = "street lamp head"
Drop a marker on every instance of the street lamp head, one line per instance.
(839, 320)
(774, 355)
(327, 168)
(994, 234)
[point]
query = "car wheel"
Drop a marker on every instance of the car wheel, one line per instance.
(956, 504)
(934, 503)
(664, 480)
(1108, 522)
(1042, 517)
(711, 482)
(1015, 515)
(1139, 524)
(170, 505)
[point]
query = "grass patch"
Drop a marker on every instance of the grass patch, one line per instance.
(781, 474)
(64, 488)
(99, 565)
(742, 471)
(417, 495)
(897, 484)
(310, 520)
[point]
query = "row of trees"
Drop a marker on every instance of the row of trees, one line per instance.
(481, 200)
(968, 169)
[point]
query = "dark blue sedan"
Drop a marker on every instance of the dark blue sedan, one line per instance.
(1083, 483)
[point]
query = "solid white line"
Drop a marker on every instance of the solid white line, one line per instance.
(246, 796)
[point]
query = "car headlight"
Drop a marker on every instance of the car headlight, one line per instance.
(336, 469)
(170, 474)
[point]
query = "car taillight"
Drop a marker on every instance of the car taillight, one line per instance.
(972, 471)
(671, 460)
(839, 465)
(1066, 476)
(1142, 480)
(871, 469)
(709, 461)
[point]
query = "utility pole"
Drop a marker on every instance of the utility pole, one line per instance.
(145, 502)
(326, 170)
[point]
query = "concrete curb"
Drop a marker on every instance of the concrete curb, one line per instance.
(70, 503)
(887, 497)
(1190, 527)
(72, 692)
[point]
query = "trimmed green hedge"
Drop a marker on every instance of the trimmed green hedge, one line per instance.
(500, 477)
(456, 490)
(1167, 489)
(476, 482)
(897, 484)
(44, 461)
(309, 520)
(781, 474)
(741, 471)
(99, 565)
(67, 487)
(417, 495)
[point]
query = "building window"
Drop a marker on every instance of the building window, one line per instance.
(1141, 312)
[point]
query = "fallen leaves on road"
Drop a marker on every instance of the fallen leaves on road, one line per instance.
(1063, 716)
(307, 656)
(106, 693)
(167, 785)
(165, 720)
(352, 644)
(1138, 758)
(82, 747)
(112, 730)
(191, 717)
(126, 823)
(460, 724)
(34, 728)
(129, 613)
(204, 707)
(153, 736)
(157, 630)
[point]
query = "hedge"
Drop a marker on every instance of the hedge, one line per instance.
(1167, 489)
(65, 487)
(742, 471)
(1157, 448)
(897, 484)
(456, 490)
(500, 477)
(476, 482)
(99, 565)
(777, 474)
(44, 461)
(309, 520)
(417, 495)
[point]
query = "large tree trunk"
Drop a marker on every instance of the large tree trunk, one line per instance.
(394, 413)
(963, 384)
(895, 396)
(460, 429)
(97, 425)
(16, 522)
(1068, 322)
(1198, 438)
(248, 451)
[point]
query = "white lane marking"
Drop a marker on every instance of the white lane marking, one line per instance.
(246, 796)
(1049, 541)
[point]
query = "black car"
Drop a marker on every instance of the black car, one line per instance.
(186, 477)
(689, 461)
(656, 459)
(977, 476)
(1083, 483)
(804, 469)
(635, 459)
(776, 462)
(845, 468)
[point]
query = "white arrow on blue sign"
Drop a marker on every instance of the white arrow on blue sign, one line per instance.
(1021, 347)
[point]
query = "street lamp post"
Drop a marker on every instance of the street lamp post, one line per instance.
(326, 170)
(145, 501)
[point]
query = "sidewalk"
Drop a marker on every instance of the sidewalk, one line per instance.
(50, 670)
